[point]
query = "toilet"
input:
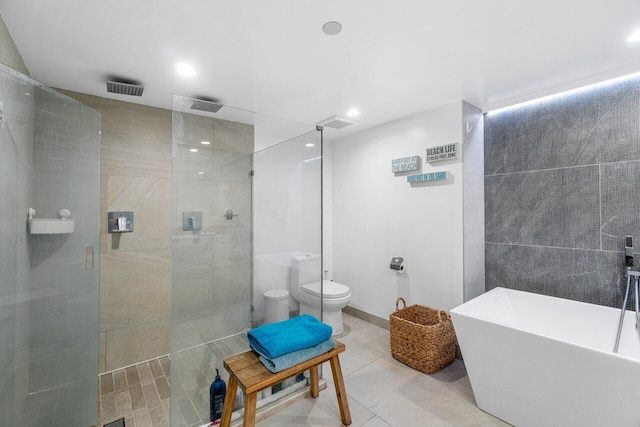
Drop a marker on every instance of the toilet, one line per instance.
(305, 288)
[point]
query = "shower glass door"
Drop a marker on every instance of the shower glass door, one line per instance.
(237, 219)
(50, 162)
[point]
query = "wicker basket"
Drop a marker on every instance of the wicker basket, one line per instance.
(422, 338)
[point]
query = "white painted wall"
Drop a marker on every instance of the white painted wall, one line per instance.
(377, 215)
(286, 212)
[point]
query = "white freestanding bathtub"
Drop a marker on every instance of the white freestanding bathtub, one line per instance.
(535, 360)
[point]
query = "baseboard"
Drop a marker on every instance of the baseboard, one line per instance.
(367, 317)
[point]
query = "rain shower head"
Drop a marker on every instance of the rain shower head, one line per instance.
(336, 122)
(205, 105)
(124, 88)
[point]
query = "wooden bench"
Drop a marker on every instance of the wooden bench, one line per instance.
(246, 370)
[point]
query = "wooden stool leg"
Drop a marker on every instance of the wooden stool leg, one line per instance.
(229, 399)
(343, 403)
(314, 381)
(250, 410)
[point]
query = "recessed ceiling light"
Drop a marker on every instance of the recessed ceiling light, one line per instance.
(310, 145)
(634, 37)
(184, 69)
(332, 28)
(200, 173)
(353, 112)
(205, 143)
(194, 150)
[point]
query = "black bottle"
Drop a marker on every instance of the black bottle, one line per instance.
(216, 395)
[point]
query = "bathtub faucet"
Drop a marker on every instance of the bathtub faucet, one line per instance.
(628, 259)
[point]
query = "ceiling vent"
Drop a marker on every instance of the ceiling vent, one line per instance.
(336, 122)
(208, 106)
(124, 88)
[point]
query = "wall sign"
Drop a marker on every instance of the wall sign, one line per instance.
(442, 152)
(405, 164)
(433, 176)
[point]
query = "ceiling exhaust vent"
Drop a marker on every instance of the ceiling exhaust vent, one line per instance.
(336, 122)
(208, 106)
(124, 88)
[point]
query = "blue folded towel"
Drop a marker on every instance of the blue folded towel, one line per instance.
(297, 333)
(288, 360)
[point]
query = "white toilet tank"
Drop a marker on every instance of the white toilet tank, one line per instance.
(305, 269)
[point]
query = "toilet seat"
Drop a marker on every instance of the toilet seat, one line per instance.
(330, 289)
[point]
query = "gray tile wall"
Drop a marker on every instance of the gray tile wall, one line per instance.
(16, 159)
(561, 179)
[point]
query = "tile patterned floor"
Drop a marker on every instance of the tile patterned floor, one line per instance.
(139, 394)
(382, 392)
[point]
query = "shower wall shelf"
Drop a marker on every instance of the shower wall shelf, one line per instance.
(50, 225)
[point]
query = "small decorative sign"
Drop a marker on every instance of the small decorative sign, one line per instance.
(405, 164)
(433, 176)
(442, 152)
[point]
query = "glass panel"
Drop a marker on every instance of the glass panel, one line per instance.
(216, 203)
(287, 232)
(49, 160)
(211, 254)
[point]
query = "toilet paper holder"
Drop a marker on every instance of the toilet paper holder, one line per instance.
(397, 264)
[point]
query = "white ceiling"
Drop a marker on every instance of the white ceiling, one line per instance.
(392, 59)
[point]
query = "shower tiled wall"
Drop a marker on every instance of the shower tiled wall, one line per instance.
(135, 268)
(561, 191)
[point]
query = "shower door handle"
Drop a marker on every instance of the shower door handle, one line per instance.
(88, 261)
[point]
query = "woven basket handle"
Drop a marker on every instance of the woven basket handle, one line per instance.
(403, 302)
(442, 314)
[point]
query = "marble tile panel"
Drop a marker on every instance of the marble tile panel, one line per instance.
(150, 201)
(165, 362)
(142, 418)
(163, 387)
(123, 155)
(137, 397)
(322, 411)
(134, 289)
(590, 276)
(132, 376)
(585, 128)
(548, 208)
(108, 407)
(106, 383)
(151, 395)
(120, 381)
(143, 341)
(158, 418)
(133, 119)
(375, 422)
(123, 404)
(358, 356)
(620, 204)
(144, 373)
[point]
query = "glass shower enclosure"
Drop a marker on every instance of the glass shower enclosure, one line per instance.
(49, 170)
(240, 212)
